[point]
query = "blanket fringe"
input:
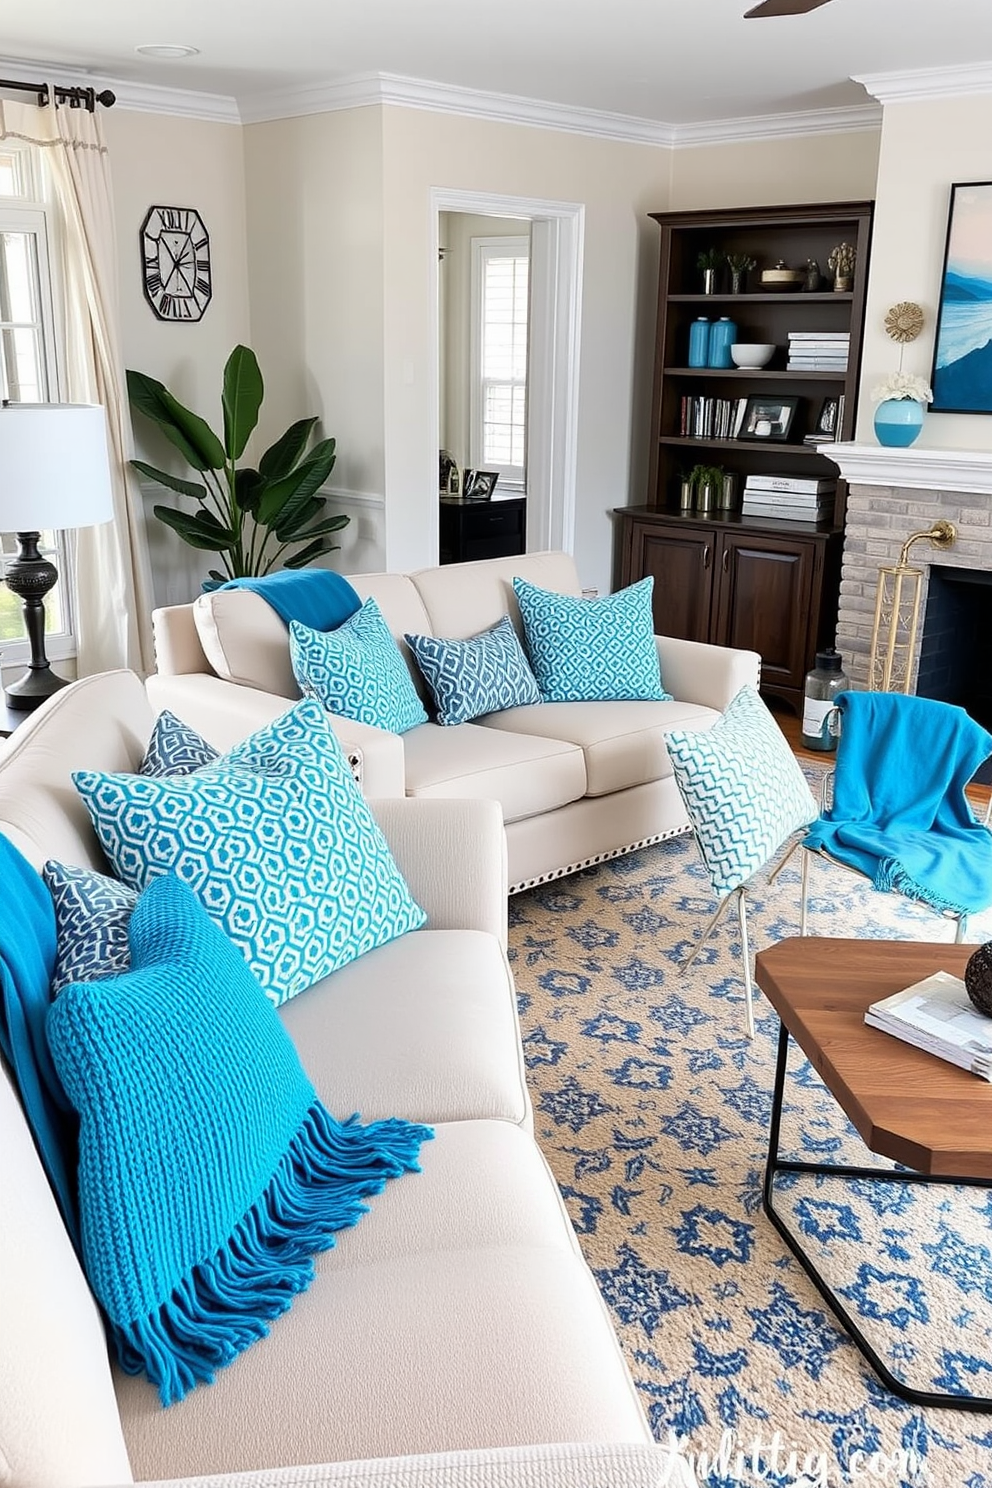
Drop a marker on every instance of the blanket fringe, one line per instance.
(891, 877)
(227, 1301)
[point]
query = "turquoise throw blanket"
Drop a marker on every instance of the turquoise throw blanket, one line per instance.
(313, 596)
(209, 1172)
(27, 961)
(899, 814)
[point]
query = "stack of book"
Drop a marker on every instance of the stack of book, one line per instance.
(936, 1015)
(710, 418)
(818, 351)
(789, 498)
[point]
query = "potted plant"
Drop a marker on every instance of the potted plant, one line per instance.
(240, 509)
(708, 262)
(707, 482)
(901, 399)
(740, 265)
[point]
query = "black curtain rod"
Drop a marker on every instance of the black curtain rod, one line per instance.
(86, 98)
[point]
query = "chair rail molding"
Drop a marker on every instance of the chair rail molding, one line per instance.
(914, 469)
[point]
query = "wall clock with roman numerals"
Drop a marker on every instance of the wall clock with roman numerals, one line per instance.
(175, 263)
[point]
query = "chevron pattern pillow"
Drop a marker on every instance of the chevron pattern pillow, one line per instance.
(357, 671)
(174, 748)
(277, 843)
(92, 912)
(484, 674)
(743, 790)
(592, 650)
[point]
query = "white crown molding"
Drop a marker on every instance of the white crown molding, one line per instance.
(914, 469)
(145, 98)
(928, 83)
(779, 126)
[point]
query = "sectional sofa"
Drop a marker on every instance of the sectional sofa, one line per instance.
(455, 1336)
(577, 782)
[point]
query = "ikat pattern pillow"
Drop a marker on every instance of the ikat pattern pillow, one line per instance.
(175, 749)
(743, 790)
(485, 674)
(92, 913)
(276, 842)
(592, 650)
(357, 671)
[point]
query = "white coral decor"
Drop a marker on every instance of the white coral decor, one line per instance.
(902, 385)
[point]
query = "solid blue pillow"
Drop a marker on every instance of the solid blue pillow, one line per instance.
(175, 749)
(592, 650)
(484, 674)
(357, 671)
(209, 1172)
(277, 843)
(92, 912)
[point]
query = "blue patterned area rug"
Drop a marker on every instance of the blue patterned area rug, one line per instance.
(652, 1109)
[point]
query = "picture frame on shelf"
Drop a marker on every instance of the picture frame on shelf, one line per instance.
(826, 420)
(768, 418)
(962, 361)
(478, 485)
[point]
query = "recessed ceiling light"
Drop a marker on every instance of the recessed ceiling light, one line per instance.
(167, 49)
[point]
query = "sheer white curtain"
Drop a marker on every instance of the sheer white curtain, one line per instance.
(113, 578)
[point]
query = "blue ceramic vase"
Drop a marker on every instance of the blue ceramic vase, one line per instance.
(723, 334)
(898, 421)
(699, 341)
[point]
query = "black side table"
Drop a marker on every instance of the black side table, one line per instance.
(482, 529)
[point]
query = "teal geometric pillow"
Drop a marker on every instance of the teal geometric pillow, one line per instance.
(357, 671)
(592, 650)
(209, 1172)
(174, 748)
(277, 843)
(485, 674)
(743, 790)
(92, 912)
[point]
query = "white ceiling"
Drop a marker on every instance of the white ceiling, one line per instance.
(674, 61)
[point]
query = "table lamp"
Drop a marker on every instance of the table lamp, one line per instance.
(54, 474)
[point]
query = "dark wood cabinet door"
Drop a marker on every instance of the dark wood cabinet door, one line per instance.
(681, 562)
(765, 589)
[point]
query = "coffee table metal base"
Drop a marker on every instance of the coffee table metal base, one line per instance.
(776, 1165)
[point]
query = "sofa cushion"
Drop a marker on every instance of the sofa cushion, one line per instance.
(92, 913)
(276, 841)
(245, 641)
(426, 1025)
(461, 599)
(357, 671)
(527, 775)
(480, 675)
(463, 1312)
(589, 650)
(623, 743)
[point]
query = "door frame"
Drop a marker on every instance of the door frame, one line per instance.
(557, 238)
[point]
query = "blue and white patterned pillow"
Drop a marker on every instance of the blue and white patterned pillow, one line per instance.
(743, 790)
(592, 650)
(484, 674)
(92, 912)
(277, 843)
(357, 671)
(175, 749)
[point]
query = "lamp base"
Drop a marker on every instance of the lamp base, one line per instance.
(30, 577)
(37, 684)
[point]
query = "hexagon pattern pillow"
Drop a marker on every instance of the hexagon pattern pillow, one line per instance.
(484, 674)
(276, 842)
(357, 671)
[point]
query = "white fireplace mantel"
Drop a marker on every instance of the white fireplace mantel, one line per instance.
(917, 468)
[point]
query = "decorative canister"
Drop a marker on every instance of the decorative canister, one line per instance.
(686, 494)
(723, 334)
(898, 422)
(823, 683)
(726, 499)
(699, 342)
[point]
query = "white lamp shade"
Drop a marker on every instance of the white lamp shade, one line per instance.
(54, 467)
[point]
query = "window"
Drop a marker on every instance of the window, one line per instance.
(28, 372)
(500, 300)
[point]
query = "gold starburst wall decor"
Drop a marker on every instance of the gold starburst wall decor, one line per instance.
(904, 321)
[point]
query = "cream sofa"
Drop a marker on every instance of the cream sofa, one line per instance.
(458, 1318)
(577, 782)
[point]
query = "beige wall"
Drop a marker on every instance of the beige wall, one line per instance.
(925, 147)
(764, 173)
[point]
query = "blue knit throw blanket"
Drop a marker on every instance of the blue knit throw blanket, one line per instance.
(899, 814)
(313, 596)
(209, 1172)
(27, 960)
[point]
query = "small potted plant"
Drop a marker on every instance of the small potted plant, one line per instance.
(740, 265)
(707, 483)
(708, 262)
(901, 399)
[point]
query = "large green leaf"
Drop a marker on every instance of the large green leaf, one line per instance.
(241, 400)
(201, 530)
(314, 550)
(286, 529)
(333, 524)
(191, 435)
(248, 488)
(283, 497)
(280, 457)
(174, 482)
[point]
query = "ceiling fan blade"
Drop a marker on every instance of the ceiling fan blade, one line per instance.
(783, 8)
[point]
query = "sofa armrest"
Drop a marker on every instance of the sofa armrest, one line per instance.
(225, 713)
(712, 676)
(452, 853)
(569, 1465)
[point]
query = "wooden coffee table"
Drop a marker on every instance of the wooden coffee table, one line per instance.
(907, 1105)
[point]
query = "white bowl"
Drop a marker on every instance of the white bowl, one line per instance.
(751, 353)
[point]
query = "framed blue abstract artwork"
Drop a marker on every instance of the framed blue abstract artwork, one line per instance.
(962, 363)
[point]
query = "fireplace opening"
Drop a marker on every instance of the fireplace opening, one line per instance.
(956, 647)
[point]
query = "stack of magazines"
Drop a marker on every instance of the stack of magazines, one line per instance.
(937, 1015)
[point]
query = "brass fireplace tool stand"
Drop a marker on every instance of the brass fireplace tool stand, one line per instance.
(897, 614)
